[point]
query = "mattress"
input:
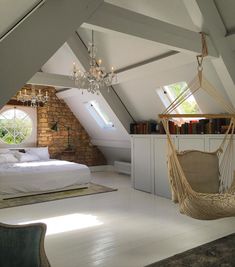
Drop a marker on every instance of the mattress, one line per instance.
(37, 176)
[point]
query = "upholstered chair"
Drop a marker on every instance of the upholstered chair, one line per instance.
(23, 245)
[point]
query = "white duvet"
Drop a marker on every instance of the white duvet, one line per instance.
(26, 177)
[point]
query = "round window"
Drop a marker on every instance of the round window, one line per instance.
(15, 126)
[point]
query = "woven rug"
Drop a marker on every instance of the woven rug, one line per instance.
(218, 253)
(44, 197)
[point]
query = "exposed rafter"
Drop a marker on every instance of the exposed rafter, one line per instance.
(36, 39)
(225, 65)
(125, 21)
(50, 79)
(147, 61)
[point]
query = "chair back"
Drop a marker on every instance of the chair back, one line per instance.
(23, 245)
(201, 170)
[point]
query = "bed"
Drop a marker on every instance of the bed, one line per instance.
(20, 177)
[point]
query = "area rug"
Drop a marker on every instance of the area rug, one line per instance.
(218, 253)
(75, 192)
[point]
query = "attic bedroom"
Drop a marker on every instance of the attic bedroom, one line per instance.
(116, 133)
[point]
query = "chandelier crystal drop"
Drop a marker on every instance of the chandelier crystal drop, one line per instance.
(96, 77)
(34, 99)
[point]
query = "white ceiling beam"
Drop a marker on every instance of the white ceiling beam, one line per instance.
(111, 97)
(25, 49)
(135, 66)
(51, 79)
(125, 21)
(225, 64)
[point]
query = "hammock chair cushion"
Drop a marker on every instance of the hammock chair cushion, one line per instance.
(201, 170)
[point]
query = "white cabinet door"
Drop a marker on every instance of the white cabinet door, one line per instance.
(142, 167)
(215, 142)
(191, 143)
(162, 186)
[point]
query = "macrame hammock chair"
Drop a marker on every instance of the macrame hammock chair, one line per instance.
(215, 198)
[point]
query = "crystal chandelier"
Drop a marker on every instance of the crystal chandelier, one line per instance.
(96, 77)
(34, 99)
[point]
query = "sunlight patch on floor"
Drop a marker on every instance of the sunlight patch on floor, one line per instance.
(67, 223)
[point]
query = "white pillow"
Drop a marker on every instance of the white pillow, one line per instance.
(41, 152)
(8, 158)
(24, 157)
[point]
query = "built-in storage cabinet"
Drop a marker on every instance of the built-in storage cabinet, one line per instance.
(142, 166)
(161, 185)
(149, 158)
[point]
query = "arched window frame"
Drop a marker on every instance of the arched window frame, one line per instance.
(32, 140)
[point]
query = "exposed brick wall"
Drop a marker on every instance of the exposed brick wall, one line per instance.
(57, 111)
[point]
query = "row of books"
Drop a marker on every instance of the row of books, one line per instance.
(144, 127)
(204, 126)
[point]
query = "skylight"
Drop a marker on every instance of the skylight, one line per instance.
(99, 115)
(170, 92)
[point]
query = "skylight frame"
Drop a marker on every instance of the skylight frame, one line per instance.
(99, 115)
(167, 97)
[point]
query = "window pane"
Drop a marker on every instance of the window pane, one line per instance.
(15, 126)
(189, 106)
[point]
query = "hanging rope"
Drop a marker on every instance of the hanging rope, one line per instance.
(203, 54)
(195, 84)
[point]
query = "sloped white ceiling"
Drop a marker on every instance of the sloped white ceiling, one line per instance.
(61, 62)
(171, 11)
(140, 96)
(120, 50)
(12, 11)
(226, 9)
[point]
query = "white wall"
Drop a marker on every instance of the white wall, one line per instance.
(114, 153)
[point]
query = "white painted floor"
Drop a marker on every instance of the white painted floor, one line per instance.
(127, 228)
